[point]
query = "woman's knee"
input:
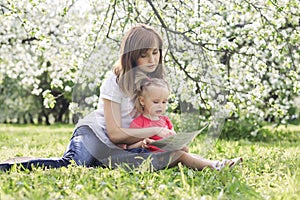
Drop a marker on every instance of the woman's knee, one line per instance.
(77, 149)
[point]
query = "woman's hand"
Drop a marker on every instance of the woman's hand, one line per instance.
(164, 132)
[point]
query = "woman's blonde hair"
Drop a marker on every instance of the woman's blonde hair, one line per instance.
(143, 83)
(137, 41)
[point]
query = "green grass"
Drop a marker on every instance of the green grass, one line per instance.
(270, 170)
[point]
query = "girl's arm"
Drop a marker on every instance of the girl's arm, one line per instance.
(117, 134)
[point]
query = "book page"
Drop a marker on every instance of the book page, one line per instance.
(177, 141)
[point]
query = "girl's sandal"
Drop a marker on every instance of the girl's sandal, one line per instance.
(230, 163)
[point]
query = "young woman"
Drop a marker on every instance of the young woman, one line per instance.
(96, 137)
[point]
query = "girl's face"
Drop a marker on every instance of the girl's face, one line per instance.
(154, 101)
(149, 60)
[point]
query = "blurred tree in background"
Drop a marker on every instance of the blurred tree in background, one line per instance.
(238, 56)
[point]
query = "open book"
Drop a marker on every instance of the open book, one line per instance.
(177, 141)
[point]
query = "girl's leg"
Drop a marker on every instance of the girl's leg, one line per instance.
(192, 161)
(196, 162)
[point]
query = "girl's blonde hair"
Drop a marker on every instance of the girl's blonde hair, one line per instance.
(137, 41)
(143, 83)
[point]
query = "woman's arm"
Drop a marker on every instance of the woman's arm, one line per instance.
(117, 134)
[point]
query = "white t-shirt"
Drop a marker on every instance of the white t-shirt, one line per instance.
(95, 120)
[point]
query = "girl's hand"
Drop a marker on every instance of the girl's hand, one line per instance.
(164, 132)
(143, 143)
(146, 142)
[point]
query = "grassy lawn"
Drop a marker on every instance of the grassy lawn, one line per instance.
(270, 170)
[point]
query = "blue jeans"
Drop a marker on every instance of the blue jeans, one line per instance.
(86, 149)
(76, 151)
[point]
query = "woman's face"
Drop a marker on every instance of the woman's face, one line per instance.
(149, 60)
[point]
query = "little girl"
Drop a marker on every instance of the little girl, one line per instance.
(151, 101)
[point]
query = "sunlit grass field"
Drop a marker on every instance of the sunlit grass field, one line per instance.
(271, 170)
